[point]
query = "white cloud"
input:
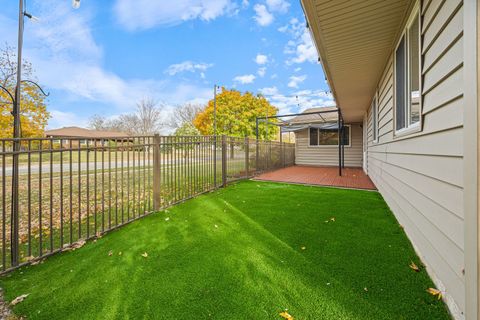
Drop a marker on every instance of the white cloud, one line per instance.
(278, 5)
(306, 50)
(263, 17)
(65, 119)
(261, 59)
(296, 80)
(145, 14)
(269, 91)
(262, 71)
(68, 62)
(245, 79)
(187, 66)
(301, 47)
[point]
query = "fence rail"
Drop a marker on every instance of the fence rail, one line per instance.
(77, 189)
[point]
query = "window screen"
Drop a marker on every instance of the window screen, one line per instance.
(346, 136)
(313, 137)
(400, 70)
(414, 70)
(374, 119)
(328, 137)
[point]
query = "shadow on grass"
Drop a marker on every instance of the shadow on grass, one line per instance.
(237, 254)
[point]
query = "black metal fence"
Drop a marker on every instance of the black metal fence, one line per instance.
(71, 190)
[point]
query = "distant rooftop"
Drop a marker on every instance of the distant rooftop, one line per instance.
(77, 132)
(316, 118)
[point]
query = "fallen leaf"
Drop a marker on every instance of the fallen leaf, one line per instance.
(365, 289)
(34, 263)
(435, 292)
(216, 226)
(110, 253)
(166, 219)
(303, 248)
(18, 299)
(286, 315)
(144, 254)
(332, 219)
(414, 267)
(77, 245)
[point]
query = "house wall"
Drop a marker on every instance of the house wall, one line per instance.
(421, 175)
(328, 155)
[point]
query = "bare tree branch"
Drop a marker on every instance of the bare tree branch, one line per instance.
(184, 114)
(147, 120)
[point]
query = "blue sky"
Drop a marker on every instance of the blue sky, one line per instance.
(105, 56)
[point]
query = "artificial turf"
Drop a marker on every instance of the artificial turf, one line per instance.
(248, 251)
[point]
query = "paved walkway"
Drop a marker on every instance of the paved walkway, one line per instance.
(325, 176)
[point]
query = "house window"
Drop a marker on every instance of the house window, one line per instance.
(328, 137)
(407, 76)
(375, 119)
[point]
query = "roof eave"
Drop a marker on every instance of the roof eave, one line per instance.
(315, 34)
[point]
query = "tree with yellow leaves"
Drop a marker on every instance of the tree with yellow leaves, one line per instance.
(236, 115)
(33, 110)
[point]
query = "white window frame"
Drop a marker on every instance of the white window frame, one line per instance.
(375, 120)
(331, 145)
(409, 127)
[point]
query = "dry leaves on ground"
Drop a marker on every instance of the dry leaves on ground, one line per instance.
(286, 315)
(435, 292)
(414, 267)
(34, 263)
(144, 254)
(76, 245)
(18, 299)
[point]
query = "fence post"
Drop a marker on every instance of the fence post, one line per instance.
(257, 155)
(215, 161)
(156, 173)
(247, 156)
(224, 161)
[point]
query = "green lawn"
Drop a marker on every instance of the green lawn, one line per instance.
(248, 251)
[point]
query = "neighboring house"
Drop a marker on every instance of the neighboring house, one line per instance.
(408, 70)
(84, 136)
(316, 138)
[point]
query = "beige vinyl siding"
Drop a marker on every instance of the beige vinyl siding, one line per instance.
(421, 175)
(328, 155)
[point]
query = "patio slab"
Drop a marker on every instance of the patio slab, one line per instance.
(353, 178)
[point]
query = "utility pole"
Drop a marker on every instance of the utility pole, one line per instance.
(17, 134)
(16, 141)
